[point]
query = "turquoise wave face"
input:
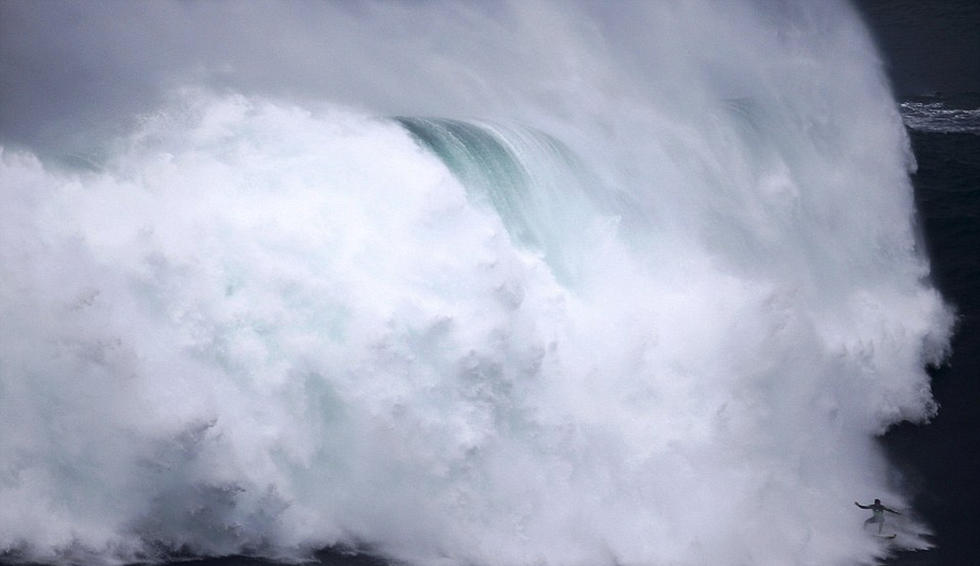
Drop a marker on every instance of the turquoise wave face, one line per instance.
(539, 189)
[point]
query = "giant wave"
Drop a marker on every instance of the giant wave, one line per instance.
(644, 297)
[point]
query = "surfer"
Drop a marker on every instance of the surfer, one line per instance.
(878, 511)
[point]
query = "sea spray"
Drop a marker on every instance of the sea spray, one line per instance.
(668, 334)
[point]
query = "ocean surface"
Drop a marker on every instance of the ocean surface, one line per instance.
(681, 288)
(942, 460)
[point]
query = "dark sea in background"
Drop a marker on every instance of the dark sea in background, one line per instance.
(932, 53)
(941, 461)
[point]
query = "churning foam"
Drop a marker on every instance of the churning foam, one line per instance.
(652, 308)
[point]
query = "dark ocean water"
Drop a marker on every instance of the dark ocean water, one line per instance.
(941, 461)
(932, 48)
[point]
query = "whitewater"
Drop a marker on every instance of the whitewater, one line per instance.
(511, 284)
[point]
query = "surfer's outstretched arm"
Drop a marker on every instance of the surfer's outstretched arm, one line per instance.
(862, 506)
(891, 510)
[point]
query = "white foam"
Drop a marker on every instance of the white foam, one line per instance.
(267, 327)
